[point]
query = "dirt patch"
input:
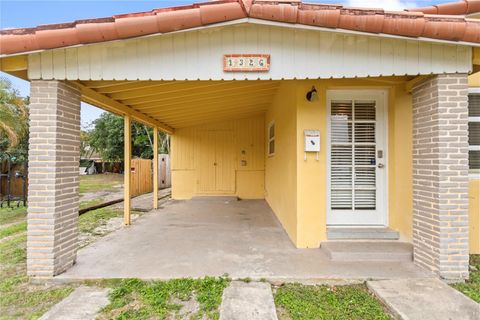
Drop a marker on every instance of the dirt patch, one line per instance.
(188, 309)
(113, 224)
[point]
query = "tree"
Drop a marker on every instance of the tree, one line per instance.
(107, 139)
(13, 121)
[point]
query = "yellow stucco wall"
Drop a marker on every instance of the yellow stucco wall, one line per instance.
(280, 169)
(248, 146)
(311, 174)
(308, 218)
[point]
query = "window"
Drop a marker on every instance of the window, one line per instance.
(271, 138)
(474, 131)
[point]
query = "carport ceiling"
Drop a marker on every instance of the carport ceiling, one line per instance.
(178, 104)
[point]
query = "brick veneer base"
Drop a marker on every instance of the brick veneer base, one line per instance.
(440, 175)
(54, 154)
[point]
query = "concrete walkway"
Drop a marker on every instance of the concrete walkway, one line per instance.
(211, 237)
(424, 299)
(81, 304)
(252, 301)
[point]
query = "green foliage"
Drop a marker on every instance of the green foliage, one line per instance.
(13, 121)
(100, 182)
(296, 301)
(19, 299)
(471, 287)
(107, 139)
(137, 299)
(14, 228)
(9, 215)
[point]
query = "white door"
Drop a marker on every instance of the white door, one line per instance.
(357, 157)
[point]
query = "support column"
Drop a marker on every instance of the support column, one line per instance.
(440, 175)
(53, 177)
(155, 168)
(127, 157)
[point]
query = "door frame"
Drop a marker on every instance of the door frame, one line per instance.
(383, 205)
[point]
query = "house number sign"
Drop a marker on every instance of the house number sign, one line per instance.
(246, 62)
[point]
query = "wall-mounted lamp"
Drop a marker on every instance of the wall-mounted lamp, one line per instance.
(312, 95)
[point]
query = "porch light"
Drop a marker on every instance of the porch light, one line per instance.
(312, 95)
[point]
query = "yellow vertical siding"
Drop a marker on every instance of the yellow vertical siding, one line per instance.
(195, 149)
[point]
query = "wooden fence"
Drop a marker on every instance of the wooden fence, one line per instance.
(141, 180)
(16, 184)
(164, 176)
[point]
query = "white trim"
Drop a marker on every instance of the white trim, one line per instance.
(474, 90)
(261, 22)
(270, 139)
(382, 202)
(474, 174)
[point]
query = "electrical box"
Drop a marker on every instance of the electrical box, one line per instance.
(312, 140)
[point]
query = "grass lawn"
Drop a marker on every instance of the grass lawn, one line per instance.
(471, 287)
(173, 299)
(100, 182)
(10, 215)
(18, 298)
(352, 302)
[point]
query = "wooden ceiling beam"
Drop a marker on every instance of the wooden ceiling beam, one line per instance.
(233, 110)
(184, 89)
(202, 96)
(138, 85)
(16, 63)
(96, 84)
(162, 110)
(97, 99)
(197, 122)
(259, 107)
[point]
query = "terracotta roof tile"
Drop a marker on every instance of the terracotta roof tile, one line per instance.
(452, 8)
(429, 22)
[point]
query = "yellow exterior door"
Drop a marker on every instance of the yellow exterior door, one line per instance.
(224, 162)
(216, 162)
(206, 162)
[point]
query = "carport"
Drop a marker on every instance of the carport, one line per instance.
(214, 236)
(264, 100)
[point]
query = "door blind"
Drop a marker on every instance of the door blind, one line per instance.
(353, 155)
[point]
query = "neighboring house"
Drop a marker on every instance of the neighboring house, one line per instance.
(341, 118)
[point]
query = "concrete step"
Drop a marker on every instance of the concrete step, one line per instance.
(252, 301)
(350, 233)
(82, 304)
(368, 250)
(424, 299)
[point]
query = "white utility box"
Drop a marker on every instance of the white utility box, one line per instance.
(312, 140)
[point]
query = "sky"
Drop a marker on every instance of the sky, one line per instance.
(27, 13)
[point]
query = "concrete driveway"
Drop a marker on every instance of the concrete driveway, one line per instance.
(217, 236)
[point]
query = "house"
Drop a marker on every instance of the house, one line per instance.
(340, 118)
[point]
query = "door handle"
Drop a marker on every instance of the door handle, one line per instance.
(380, 166)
